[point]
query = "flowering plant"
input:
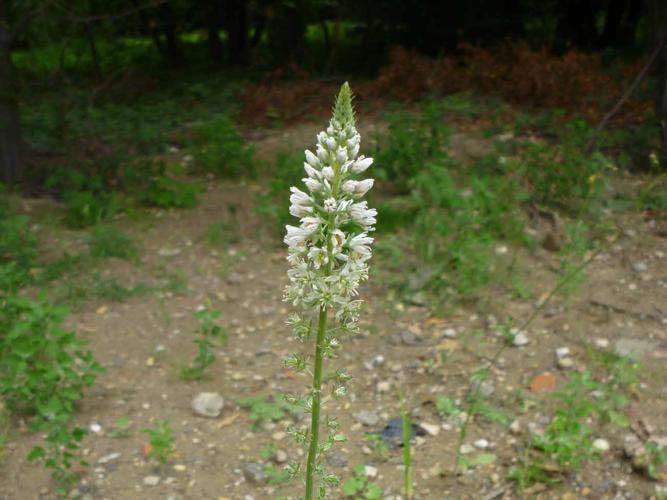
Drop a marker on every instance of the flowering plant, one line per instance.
(328, 253)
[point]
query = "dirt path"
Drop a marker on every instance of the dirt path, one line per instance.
(142, 341)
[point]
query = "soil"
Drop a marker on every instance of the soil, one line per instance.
(142, 342)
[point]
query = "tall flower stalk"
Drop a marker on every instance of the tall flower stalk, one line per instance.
(328, 253)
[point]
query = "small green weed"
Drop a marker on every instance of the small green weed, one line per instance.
(109, 241)
(121, 428)
(263, 410)
(162, 441)
(567, 443)
(360, 486)
(206, 334)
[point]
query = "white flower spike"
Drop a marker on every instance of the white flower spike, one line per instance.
(328, 253)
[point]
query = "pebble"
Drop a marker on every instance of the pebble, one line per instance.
(431, 429)
(601, 343)
(367, 418)
(152, 480)
(95, 428)
(565, 363)
(370, 471)
(375, 362)
(450, 333)
(208, 404)
(481, 444)
(254, 473)
(383, 386)
(562, 352)
(169, 252)
(466, 448)
(234, 279)
(520, 339)
(409, 338)
(640, 267)
(109, 458)
(601, 445)
(280, 457)
(633, 348)
(337, 459)
(486, 388)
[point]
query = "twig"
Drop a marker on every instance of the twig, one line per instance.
(628, 92)
(497, 492)
(476, 390)
(629, 312)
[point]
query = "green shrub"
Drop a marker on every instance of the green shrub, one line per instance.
(44, 370)
(17, 246)
(270, 204)
(109, 241)
(217, 147)
(411, 142)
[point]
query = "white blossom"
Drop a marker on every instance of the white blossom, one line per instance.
(328, 262)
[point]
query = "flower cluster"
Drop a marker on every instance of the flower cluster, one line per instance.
(329, 250)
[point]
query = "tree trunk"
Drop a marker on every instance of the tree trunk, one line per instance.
(657, 12)
(10, 159)
(214, 24)
(287, 30)
(236, 14)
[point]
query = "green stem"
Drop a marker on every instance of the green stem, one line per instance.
(407, 448)
(315, 413)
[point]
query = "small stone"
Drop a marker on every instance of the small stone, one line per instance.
(544, 382)
(337, 459)
(519, 339)
(565, 363)
(450, 333)
(234, 278)
(280, 457)
(501, 250)
(515, 427)
(108, 458)
(180, 467)
(409, 338)
(383, 386)
(367, 418)
(466, 449)
(431, 429)
(254, 473)
(152, 480)
(169, 252)
(601, 343)
(95, 428)
(562, 352)
(633, 348)
(481, 444)
(640, 267)
(208, 404)
(601, 445)
(486, 388)
(370, 471)
(375, 362)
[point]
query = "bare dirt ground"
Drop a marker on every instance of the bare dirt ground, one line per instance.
(143, 340)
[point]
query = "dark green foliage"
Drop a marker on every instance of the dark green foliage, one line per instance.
(412, 141)
(217, 147)
(109, 241)
(272, 206)
(17, 246)
(44, 370)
